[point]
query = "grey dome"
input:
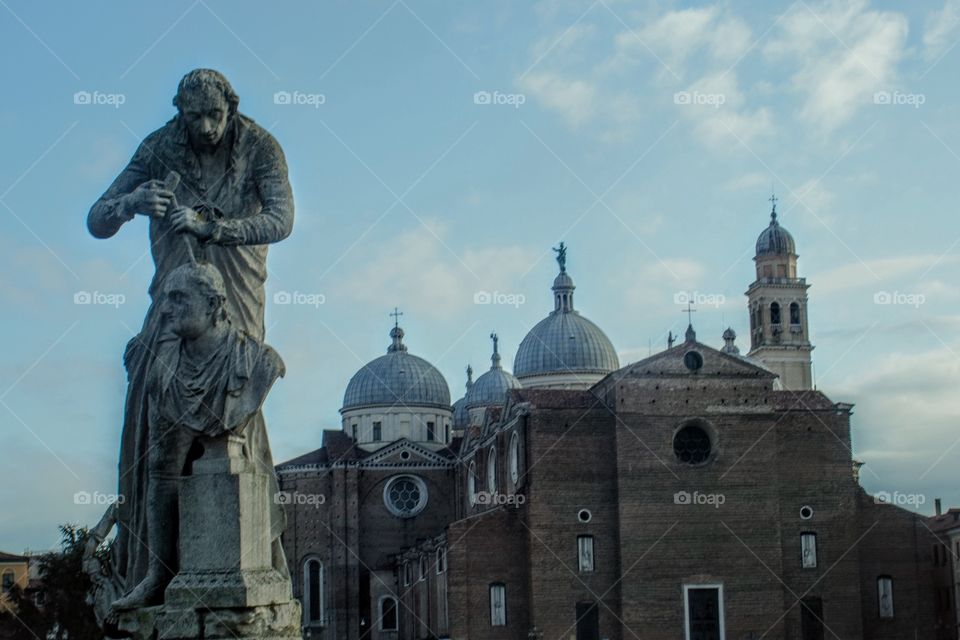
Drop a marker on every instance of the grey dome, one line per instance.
(775, 240)
(491, 388)
(397, 379)
(564, 341)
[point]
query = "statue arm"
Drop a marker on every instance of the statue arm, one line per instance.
(108, 213)
(275, 220)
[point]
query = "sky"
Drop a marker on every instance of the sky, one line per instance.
(439, 149)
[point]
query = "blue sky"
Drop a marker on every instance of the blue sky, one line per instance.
(647, 136)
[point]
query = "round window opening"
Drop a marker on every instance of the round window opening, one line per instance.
(405, 496)
(806, 512)
(584, 516)
(404, 455)
(692, 445)
(693, 360)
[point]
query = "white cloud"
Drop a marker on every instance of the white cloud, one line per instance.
(875, 274)
(420, 269)
(574, 99)
(940, 30)
(842, 53)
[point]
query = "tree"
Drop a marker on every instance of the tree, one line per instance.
(65, 614)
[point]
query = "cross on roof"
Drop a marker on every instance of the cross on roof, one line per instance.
(396, 316)
(689, 311)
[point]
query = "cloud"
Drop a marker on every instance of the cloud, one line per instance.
(875, 274)
(841, 52)
(421, 269)
(940, 30)
(575, 99)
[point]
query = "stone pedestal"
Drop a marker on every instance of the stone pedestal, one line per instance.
(226, 587)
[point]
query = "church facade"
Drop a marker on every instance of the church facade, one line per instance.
(698, 494)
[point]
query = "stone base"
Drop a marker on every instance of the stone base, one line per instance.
(236, 589)
(271, 622)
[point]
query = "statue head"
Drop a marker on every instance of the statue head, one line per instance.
(206, 103)
(193, 300)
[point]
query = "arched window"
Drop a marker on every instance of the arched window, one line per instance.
(388, 613)
(314, 612)
(794, 313)
(492, 470)
(472, 483)
(775, 313)
(515, 458)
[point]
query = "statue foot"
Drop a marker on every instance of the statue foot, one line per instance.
(146, 594)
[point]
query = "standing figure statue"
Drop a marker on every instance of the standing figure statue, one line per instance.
(232, 200)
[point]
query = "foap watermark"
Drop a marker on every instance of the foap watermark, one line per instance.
(485, 497)
(297, 499)
(696, 498)
(98, 498)
(499, 98)
(299, 99)
(99, 99)
(100, 298)
(899, 99)
(899, 298)
(499, 297)
(700, 299)
(299, 297)
(900, 499)
(700, 99)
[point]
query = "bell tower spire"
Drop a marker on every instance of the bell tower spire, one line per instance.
(777, 301)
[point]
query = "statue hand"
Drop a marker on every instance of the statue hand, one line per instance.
(187, 220)
(149, 199)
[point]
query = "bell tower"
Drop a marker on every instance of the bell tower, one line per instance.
(777, 301)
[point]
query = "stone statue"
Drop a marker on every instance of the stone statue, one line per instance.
(561, 252)
(232, 200)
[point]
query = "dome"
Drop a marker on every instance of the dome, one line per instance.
(775, 240)
(564, 342)
(397, 379)
(491, 388)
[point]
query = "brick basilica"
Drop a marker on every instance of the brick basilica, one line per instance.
(699, 493)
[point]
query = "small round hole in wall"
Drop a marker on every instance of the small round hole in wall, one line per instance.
(404, 455)
(806, 512)
(584, 516)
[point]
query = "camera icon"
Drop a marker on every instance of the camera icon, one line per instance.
(682, 497)
(482, 97)
(283, 497)
(882, 97)
(282, 97)
(282, 297)
(482, 297)
(883, 497)
(681, 97)
(681, 297)
(82, 97)
(882, 297)
(82, 497)
(82, 297)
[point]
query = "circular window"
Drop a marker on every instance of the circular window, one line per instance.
(404, 455)
(806, 512)
(405, 496)
(515, 458)
(693, 360)
(584, 516)
(691, 445)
